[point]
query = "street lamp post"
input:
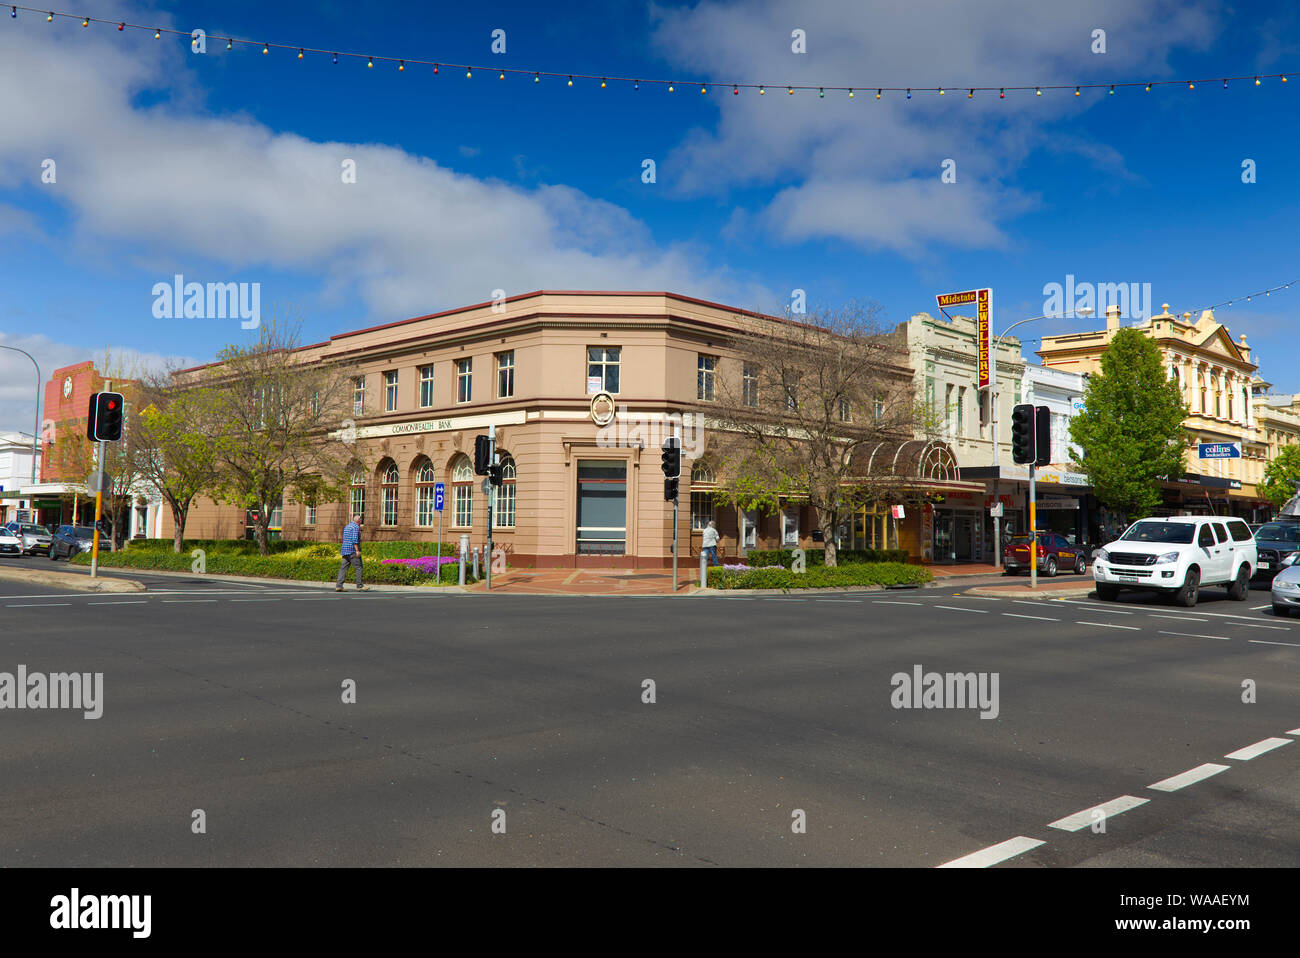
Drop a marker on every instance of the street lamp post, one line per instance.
(993, 422)
(36, 425)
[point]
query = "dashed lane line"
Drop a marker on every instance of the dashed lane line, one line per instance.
(1116, 806)
(1279, 628)
(124, 602)
(849, 601)
(189, 600)
(1177, 618)
(1109, 625)
(957, 608)
(1041, 618)
(1189, 777)
(1000, 852)
(1259, 748)
(1294, 731)
(893, 602)
(1196, 635)
(33, 605)
(1294, 645)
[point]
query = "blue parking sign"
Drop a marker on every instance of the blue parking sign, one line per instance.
(439, 492)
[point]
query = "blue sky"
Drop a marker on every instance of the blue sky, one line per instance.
(225, 167)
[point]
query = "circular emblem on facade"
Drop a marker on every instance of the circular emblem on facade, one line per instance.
(67, 387)
(602, 408)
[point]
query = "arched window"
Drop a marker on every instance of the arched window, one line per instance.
(700, 472)
(702, 510)
(462, 487)
(389, 487)
(357, 497)
(425, 515)
(505, 504)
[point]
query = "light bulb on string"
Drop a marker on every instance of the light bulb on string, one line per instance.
(790, 90)
(850, 94)
(821, 92)
(1191, 85)
(1148, 87)
(702, 89)
(229, 43)
(877, 94)
(1038, 91)
(1225, 83)
(602, 83)
(1256, 81)
(266, 48)
(121, 27)
(1076, 91)
(970, 95)
(570, 81)
(85, 21)
(1112, 89)
(300, 53)
(13, 11)
(670, 86)
(336, 58)
(50, 18)
(469, 73)
(537, 78)
(940, 91)
(502, 76)
(1283, 77)
(435, 66)
(761, 91)
(909, 93)
(636, 84)
(401, 66)
(1002, 94)
(370, 62)
(735, 91)
(157, 34)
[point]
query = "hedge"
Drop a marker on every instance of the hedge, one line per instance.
(817, 557)
(369, 550)
(302, 561)
(820, 577)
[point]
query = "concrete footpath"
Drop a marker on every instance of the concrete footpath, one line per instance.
(81, 582)
(1073, 586)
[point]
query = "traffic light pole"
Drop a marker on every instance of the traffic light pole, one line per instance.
(492, 458)
(1033, 533)
(99, 508)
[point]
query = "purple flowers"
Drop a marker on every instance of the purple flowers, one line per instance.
(741, 567)
(426, 564)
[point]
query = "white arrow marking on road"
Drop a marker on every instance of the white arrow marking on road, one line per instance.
(1190, 777)
(1259, 748)
(995, 853)
(1116, 806)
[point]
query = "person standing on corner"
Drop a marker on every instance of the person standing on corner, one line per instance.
(710, 542)
(350, 552)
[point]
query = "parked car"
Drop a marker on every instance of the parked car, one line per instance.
(1274, 542)
(70, 540)
(1054, 554)
(1286, 586)
(34, 538)
(1177, 556)
(10, 544)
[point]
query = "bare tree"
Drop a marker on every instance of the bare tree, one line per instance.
(273, 409)
(798, 403)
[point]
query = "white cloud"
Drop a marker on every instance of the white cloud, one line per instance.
(858, 170)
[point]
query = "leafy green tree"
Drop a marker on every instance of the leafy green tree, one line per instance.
(1281, 476)
(1130, 433)
(177, 456)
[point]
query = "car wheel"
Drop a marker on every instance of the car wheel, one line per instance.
(1051, 567)
(1081, 565)
(1187, 595)
(53, 557)
(1281, 611)
(1239, 591)
(1108, 593)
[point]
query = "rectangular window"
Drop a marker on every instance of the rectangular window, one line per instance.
(961, 411)
(947, 408)
(749, 385)
(357, 502)
(701, 509)
(879, 411)
(504, 516)
(390, 390)
(426, 386)
(602, 369)
(309, 516)
(390, 505)
(358, 394)
(464, 379)
(464, 505)
(846, 411)
(506, 374)
(705, 368)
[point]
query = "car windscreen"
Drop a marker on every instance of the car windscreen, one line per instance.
(82, 532)
(1178, 533)
(1280, 532)
(36, 530)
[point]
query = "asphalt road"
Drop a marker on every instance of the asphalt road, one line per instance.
(228, 698)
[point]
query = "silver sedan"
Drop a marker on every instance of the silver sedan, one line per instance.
(1286, 587)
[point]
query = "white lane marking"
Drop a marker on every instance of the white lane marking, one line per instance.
(189, 600)
(1217, 615)
(32, 605)
(982, 598)
(957, 608)
(318, 598)
(126, 602)
(1116, 806)
(1109, 625)
(994, 853)
(1257, 608)
(1042, 618)
(1095, 606)
(1294, 731)
(786, 600)
(1177, 618)
(1189, 777)
(1279, 628)
(1195, 635)
(1294, 645)
(892, 602)
(850, 601)
(1259, 748)
(256, 600)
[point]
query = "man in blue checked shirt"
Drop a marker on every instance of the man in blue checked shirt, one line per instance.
(351, 553)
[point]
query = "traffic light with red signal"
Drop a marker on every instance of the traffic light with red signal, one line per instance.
(104, 419)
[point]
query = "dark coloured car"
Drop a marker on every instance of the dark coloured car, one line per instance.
(1275, 542)
(1054, 554)
(70, 540)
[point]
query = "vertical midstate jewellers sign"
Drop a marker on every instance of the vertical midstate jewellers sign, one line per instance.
(983, 300)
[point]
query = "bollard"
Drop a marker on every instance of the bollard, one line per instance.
(462, 567)
(474, 553)
(704, 568)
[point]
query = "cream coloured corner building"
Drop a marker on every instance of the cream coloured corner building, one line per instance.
(1216, 375)
(576, 493)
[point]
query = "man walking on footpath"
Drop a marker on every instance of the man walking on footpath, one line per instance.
(710, 542)
(351, 553)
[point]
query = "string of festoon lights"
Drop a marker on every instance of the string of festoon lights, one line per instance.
(501, 73)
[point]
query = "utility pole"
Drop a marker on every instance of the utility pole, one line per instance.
(492, 494)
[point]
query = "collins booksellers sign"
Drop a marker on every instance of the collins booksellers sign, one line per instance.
(983, 300)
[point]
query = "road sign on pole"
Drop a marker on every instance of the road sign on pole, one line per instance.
(439, 495)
